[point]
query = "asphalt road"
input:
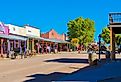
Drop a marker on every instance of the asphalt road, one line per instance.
(41, 68)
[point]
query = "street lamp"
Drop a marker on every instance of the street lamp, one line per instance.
(99, 45)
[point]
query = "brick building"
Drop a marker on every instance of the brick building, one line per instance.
(52, 34)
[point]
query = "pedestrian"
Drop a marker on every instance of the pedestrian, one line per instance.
(107, 55)
(79, 49)
(48, 48)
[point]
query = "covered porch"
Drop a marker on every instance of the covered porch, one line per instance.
(115, 28)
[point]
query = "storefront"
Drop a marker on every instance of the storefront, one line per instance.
(33, 40)
(16, 37)
(57, 40)
(4, 31)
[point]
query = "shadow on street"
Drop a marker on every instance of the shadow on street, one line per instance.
(68, 60)
(56, 76)
(46, 77)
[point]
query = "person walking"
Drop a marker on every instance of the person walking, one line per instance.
(79, 49)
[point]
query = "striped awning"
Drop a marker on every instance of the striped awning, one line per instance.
(12, 37)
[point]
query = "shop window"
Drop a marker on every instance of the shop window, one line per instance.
(29, 31)
(52, 35)
(14, 29)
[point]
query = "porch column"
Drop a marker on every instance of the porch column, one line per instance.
(27, 44)
(1, 47)
(42, 47)
(38, 47)
(20, 47)
(14, 43)
(32, 44)
(112, 43)
(46, 47)
(8, 41)
(67, 47)
(18, 43)
(57, 47)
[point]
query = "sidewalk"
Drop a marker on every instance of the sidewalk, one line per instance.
(108, 72)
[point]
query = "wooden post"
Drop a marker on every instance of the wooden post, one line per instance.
(27, 44)
(1, 47)
(20, 47)
(57, 47)
(18, 43)
(46, 47)
(67, 47)
(112, 43)
(38, 47)
(42, 46)
(32, 44)
(8, 41)
(14, 43)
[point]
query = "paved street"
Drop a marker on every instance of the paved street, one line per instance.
(41, 68)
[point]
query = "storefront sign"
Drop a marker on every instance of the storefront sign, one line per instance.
(2, 28)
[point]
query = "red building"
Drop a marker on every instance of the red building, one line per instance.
(52, 34)
(60, 40)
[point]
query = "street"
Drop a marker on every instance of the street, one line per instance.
(41, 68)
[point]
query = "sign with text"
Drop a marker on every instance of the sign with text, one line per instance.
(2, 27)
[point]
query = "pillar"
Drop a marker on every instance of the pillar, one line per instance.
(18, 43)
(50, 46)
(11, 46)
(112, 43)
(8, 41)
(20, 47)
(14, 43)
(1, 47)
(67, 47)
(32, 44)
(27, 44)
(57, 47)
(42, 46)
(38, 46)
(46, 47)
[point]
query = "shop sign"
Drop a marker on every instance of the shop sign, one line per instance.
(2, 27)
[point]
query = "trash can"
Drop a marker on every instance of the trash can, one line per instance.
(92, 58)
(107, 55)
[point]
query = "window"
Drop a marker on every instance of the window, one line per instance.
(52, 35)
(29, 31)
(14, 29)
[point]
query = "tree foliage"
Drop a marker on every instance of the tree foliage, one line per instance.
(75, 41)
(83, 29)
(106, 36)
(118, 39)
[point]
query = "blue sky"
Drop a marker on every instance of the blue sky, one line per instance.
(47, 14)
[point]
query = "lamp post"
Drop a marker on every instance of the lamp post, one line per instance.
(99, 45)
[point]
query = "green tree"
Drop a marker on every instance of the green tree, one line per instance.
(75, 42)
(106, 35)
(83, 29)
(118, 39)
